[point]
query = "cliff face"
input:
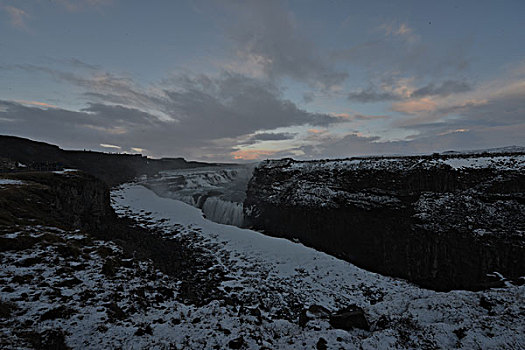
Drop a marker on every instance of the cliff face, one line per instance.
(428, 220)
(70, 199)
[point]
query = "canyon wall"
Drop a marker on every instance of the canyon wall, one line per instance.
(439, 225)
(64, 199)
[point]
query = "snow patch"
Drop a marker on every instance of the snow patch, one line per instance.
(5, 182)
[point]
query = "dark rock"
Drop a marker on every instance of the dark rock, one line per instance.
(144, 330)
(22, 279)
(70, 282)
(52, 339)
(69, 251)
(318, 311)
(303, 319)
(59, 312)
(321, 344)
(115, 312)
(460, 332)
(382, 323)
(8, 289)
(236, 343)
(109, 268)
(408, 217)
(348, 318)
(29, 261)
(7, 308)
(485, 303)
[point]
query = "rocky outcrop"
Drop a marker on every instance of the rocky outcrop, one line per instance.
(425, 219)
(71, 199)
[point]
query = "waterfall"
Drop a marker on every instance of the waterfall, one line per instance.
(219, 191)
(223, 212)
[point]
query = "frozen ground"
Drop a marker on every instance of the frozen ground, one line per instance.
(279, 278)
(68, 288)
(5, 182)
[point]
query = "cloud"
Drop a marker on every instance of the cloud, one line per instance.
(110, 146)
(197, 116)
(414, 106)
(234, 105)
(400, 30)
(446, 88)
(397, 50)
(36, 103)
(266, 33)
(80, 5)
(358, 116)
(492, 103)
(273, 136)
(251, 154)
(308, 97)
(369, 117)
(371, 95)
(17, 17)
(402, 89)
(317, 131)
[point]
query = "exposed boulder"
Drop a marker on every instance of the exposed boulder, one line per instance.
(349, 318)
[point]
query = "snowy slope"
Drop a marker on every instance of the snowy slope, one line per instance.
(279, 278)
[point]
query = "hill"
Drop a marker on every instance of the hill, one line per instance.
(21, 154)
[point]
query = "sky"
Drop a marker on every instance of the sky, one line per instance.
(251, 80)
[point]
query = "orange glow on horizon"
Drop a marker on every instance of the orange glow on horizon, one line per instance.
(424, 104)
(250, 154)
(36, 103)
(316, 131)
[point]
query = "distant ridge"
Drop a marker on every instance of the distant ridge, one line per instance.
(113, 169)
(506, 149)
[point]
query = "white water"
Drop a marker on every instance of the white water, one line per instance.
(223, 212)
(218, 191)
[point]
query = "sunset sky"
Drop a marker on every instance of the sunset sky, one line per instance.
(250, 80)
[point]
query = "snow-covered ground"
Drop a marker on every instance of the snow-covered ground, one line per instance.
(278, 277)
(473, 161)
(70, 287)
(5, 182)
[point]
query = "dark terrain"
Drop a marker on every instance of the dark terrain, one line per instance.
(113, 169)
(412, 217)
(76, 274)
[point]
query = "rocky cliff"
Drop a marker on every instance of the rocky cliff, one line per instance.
(443, 222)
(64, 199)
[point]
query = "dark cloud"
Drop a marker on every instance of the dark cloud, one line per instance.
(446, 88)
(498, 109)
(267, 34)
(234, 105)
(369, 117)
(201, 117)
(428, 141)
(280, 136)
(372, 95)
(308, 97)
